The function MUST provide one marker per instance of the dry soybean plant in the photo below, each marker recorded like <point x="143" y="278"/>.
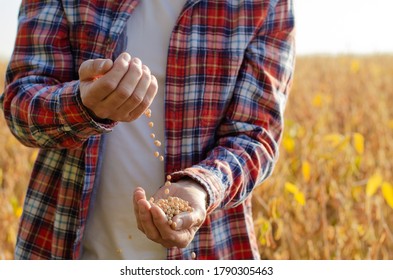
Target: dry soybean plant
<point x="331" y="193"/>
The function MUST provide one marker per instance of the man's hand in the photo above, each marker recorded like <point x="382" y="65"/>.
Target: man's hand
<point x="154" y="224"/>
<point x="120" y="91"/>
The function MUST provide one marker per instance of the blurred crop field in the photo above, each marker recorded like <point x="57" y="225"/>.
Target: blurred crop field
<point x="331" y="193"/>
<point x="16" y="162"/>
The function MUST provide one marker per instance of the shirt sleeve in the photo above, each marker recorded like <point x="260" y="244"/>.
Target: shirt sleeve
<point x="41" y="102"/>
<point x="249" y="137"/>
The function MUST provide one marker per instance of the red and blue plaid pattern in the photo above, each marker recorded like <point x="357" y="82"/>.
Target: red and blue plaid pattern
<point x="230" y="66"/>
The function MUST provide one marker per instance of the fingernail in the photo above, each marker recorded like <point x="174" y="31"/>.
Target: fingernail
<point x="101" y="66"/>
<point x="136" y="60"/>
<point x="126" y="57"/>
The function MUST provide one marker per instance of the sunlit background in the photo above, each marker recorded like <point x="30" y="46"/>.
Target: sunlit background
<point x="331" y="193"/>
<point x="323" y="26"/>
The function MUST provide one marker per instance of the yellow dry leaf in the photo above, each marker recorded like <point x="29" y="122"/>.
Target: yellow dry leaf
<point x="289" y="144"/>
<point x="358" y="143"/>
<point x="317" y="101"/>
<point x="299" y="197"/>
<point x="18" y="212"/>
<point x="306" y="170"/>
<point x="334" y="138"/>
<point x="262" y="240"/>
<point x="292" y="188"/>
<point x="14" y="202"/>
<point x="1" y="176"/>
<point x="344" y="143"/>
<point x="321" y="99"/>
<point x="357" y="161"/>
<point x="373" y="184"/>
<point x="297" y="194"/>
<point x="387" y="192"/>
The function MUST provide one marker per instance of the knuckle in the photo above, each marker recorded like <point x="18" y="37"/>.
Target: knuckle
<point x="136" y="61"/>
<point x="108" y="85"/>
<point x="145" y="80"/>
<point x="154" y="82"/>
<point x="85" y="65"/>
<point x="139" y="111"/>
<point x="136" y="70"/>
<point x="122" y="93"/>
<point x="153" y="87"/>
<point x="147" y="101"/>
<point x="146" y="75"/>
<point x="137" y="98"/>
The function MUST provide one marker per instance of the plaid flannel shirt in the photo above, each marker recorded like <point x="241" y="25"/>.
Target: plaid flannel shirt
<point x="229" y="69"/>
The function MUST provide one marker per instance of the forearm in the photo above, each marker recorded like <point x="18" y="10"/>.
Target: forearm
<point x="48" y="116"/>
<point x="248" y="137"/>
<point x="232" y="170"/>
<point x="41" y="101"/>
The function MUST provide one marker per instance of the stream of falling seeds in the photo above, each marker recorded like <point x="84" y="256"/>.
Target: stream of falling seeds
<point x="171" y="205"/>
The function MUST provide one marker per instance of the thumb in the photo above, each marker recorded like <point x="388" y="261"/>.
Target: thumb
<point x="93" y="68"/>
<point x="187" y="220"/>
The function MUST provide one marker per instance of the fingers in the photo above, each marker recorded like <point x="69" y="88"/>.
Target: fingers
<point x="108" y="83"/>
<point x="92" y="68"/>
<point x="139" y="194"/>
<point x="125" y="86"/>
<point x="120" y="91"/>
<point x="153" y="222"/>
<point x="178" y="234"/>
<point x="133" y="97"/>
<point x="187" y="220"/>
<point x="150" y="90"/>
<point x="144" y="217"/>
<point x="149" y="224"/>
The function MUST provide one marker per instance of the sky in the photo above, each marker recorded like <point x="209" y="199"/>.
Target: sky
<point x="323" y="26"/>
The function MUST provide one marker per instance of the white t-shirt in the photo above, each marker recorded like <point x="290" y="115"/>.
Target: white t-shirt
<point x="129" y="160"/>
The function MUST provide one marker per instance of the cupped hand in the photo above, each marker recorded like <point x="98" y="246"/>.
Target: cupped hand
<point x="154" y="224"/>
<point x="120" y="91"/>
